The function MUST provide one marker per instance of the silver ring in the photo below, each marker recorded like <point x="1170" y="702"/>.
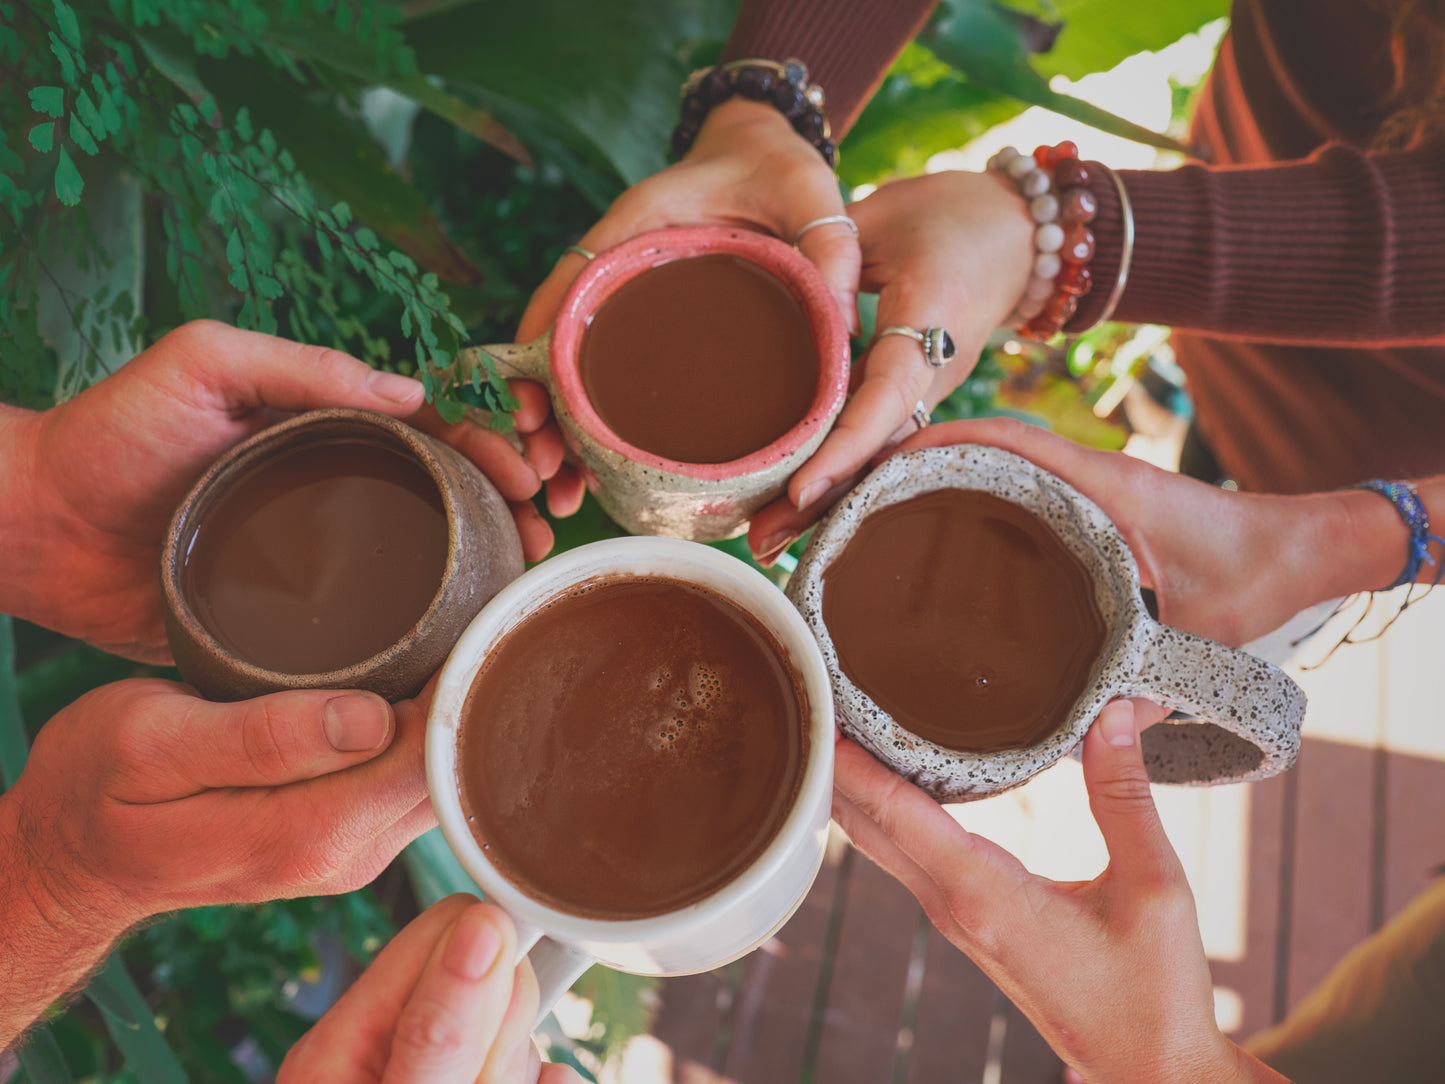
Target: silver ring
<point x="584" y="253"/>
<point x="826" y="220"/>
<point x="937" y="343"/>
<point x="921" y="417"/>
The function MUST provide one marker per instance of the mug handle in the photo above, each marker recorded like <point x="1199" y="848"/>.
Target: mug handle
<point x="1248" y="711"/>
<point x="529" y="361"/>
<point x="557" y="965"/>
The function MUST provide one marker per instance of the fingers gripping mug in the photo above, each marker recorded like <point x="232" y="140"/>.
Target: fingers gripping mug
<point x="636" y="788"/>
<point x="692" y="371"/>
<point x="866" y="570"/>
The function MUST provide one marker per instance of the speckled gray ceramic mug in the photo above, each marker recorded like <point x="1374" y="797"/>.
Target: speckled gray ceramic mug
<point x="1248" y="712"/>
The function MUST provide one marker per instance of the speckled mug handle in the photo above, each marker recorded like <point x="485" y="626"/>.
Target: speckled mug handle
<point x="527" y="361"/>
<point x="1248" y="712"/>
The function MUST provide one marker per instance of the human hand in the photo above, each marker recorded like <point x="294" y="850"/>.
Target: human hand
<point x="1111" y="971"/>
<point x="103" y="472"/>
<point x="951" y="250"/>
<point x="747" y="168"/>
<point x="440" y="1004"/>
<point x="141" y="798"/>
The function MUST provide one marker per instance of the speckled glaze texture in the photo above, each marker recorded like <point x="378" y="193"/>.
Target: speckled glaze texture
<point x="646" y="493"/>
<point x="484" y="554"/>
<point x="1249" y="711"/>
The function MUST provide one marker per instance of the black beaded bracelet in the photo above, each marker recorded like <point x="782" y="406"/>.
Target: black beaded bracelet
<point x="783" y="85"/>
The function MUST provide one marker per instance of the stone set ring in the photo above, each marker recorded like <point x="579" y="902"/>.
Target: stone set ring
<point x="937" y="343"/>
<point x="826" y="220"/>
<point x="586" y="254"/>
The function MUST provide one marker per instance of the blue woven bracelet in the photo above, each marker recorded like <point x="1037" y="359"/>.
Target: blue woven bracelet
<point x="1406" y="499"/>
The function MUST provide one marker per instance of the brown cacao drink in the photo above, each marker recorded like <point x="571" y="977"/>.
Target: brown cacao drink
<point x="631" y="747"/>
<point x="965" y="618"/>
<point x="700" y="360"/>
<point x="319" y="558"/>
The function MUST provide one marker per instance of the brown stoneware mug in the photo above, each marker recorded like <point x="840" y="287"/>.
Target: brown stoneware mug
<point x="471" y="552"/>
<point x="648" y="493"/>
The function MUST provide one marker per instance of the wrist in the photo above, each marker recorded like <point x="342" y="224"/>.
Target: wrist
<point x="23" y="523"/>
<point x="44" y="886"/>
<point x="1370" y="543"/>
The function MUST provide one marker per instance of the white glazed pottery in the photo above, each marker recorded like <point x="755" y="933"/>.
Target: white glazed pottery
<point x="736" y="918"/>
<point x="1248" y="712"/>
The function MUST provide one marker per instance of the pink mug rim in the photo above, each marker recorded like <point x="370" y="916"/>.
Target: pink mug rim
<point x="619" y="264"/>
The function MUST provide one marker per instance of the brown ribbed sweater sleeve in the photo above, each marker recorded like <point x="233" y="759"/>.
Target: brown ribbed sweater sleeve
<point x="1343" y="247"/>
<point x="847" y="44"/>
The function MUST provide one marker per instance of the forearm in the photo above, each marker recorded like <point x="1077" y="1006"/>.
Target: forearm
<point x="848" y="45"/>
<point x="1342" y="248"/>
<point x="48" y="945"/>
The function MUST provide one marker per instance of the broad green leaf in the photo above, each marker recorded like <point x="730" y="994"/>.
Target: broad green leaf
<point x="42" y="1060"/>
<point x="318" y="42"/>
<point x="42" y="137"/>
<point x="905" y="123"/>
<point x="434" y="870"/>
<point x="48" y="100"/>
<point x="610" y="71"/>
<point x="134" y="1030"/>
<point x="68" y="185"/>
<point x="1098" y="34"/>
<point x="174" y="58"/>
<point x="985" y="42"/>
<point x="342" y="162"/>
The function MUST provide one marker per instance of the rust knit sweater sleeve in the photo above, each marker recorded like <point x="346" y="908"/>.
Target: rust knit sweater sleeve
<point x="1343" y="247"/>
<point x="847" y="44"/>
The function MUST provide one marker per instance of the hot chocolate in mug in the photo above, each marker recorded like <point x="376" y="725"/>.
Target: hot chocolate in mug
<point x="561" y="782"/>
<point x="693" y="370"/>
<point x="1045" y="611"/>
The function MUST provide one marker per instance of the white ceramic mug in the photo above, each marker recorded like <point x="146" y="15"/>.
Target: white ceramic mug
<point x="736" y="918"/>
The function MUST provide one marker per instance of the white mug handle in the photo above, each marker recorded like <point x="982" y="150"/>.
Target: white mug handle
<point x="557" y="965"/>
<point x="1248" y="711"/>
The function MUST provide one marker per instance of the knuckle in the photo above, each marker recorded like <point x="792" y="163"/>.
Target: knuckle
<point x="266" y="740"/>
<point x="426" y="1031"/>
<point x="1130" y="792"/>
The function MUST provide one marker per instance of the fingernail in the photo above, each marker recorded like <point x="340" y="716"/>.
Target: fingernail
<point x="773" y="546"/>
<point x="393" y="386"/>
<point x="355" y="723"/>
<point x="1116" y="724"/>
<point x="473" y="946"/>
<point x="813" y="491"/>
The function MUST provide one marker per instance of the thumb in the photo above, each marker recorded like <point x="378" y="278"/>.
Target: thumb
<point x="1122" y="804"/>
<point x="246" y="370"/>
<point x="187" y="744"/>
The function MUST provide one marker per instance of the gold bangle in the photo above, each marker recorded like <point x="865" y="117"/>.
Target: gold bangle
<point x="1126" y="252"/>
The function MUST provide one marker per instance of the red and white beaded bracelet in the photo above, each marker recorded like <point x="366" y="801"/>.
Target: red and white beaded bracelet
<point x="1056" y="185"/>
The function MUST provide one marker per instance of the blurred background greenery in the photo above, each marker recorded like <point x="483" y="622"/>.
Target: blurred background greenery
<point x="395" y="179"/>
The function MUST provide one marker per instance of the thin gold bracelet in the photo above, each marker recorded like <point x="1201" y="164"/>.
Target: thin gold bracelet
<point x="1126" y="254"/>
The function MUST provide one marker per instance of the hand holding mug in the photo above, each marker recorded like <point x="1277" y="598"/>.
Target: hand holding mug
<point x="141" y="798"/>
<point x="441" y="1004"/>
<point x="748" y="169"/>
<point x="945" y="250"/>
<point x="1229" y="566"/>
<point x="1112" y="971"/>
<point x="98" y="476"/>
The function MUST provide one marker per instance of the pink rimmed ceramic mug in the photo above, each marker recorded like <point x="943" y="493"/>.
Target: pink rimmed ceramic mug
<point x="647" y="493"/>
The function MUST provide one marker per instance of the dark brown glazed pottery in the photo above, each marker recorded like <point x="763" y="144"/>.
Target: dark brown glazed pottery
<point x="484" y="554"/>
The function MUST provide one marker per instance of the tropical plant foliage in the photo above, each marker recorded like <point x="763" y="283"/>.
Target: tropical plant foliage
<point x="392" y="179"/>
